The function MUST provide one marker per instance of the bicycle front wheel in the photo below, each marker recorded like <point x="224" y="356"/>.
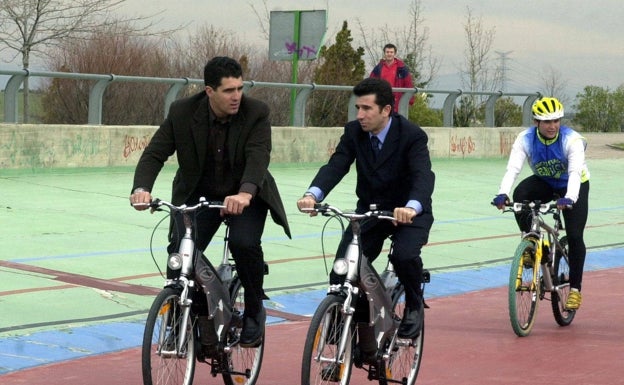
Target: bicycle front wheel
<point x="165" y="359"/>
<point x="404" y="360"/>
<point x="322" y="362"/>
<point x="524" y="287"/>
<point x="561" y="281"/>
<point x="243" y="363"/>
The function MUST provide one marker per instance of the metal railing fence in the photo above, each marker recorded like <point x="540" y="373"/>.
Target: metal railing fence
<point x="303" y="91"/>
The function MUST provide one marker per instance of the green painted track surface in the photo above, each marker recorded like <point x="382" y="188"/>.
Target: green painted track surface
<point x="63" y="223"/>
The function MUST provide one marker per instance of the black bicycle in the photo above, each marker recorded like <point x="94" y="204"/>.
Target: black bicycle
<point x="331" y="343"/>
<point x="171" y="340"/>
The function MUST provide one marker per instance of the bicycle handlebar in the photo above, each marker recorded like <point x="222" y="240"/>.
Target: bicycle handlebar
<point x="156" y="203"/>
<point x="544" y="208"/>
<point x="327" y="209"/>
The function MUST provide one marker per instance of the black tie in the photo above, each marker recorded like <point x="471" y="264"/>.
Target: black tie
<point x="375" y="143"/>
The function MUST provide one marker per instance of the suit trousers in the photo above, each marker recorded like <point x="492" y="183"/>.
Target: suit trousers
<point x="244" y="243"/>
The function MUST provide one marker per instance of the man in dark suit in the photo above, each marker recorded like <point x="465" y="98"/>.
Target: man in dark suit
<point x="222" y="140"/>
<point x="393" y="172"/>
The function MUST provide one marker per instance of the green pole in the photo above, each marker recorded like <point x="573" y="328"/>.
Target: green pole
<point x="295" y="65"/>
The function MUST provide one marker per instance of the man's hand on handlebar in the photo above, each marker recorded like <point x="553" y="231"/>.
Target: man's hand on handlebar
<point x="404" y="215"/>
<point x="140" y="199"/>
<point x="306" y="204"/>
<point x="235" y="204"/>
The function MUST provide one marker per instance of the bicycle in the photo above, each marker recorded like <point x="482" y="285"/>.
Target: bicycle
<point x="540" y="267"/>
<point x="171" y="340"/>
<point x="330" y="349"/>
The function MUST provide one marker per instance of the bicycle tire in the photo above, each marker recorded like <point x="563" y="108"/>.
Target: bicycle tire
<point x="319" y="364"/>
<point x="524" y="290"/>
<point x="243" y="364"/>
<point x="404" y="361"/>
<point x="161" y="328"/>
<point x="561" y="280"/>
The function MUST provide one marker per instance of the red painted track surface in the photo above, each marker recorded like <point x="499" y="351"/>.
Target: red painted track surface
<point x="468" y="340"/>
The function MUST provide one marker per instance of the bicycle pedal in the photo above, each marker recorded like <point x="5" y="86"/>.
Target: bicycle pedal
<point x="373" y="373"/>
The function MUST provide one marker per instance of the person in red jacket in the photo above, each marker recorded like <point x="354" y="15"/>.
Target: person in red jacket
<point x="395" y="72"/>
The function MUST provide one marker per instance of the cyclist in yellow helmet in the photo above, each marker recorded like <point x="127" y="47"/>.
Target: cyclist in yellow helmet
<point x="556" y="154"/>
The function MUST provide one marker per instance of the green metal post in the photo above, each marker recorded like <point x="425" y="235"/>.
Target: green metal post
<point x="295" y="65"/>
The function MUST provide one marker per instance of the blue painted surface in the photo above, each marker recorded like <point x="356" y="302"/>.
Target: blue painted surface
<point x="46" y="347"/>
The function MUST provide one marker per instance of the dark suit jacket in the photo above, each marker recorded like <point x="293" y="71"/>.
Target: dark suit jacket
<point x="402" y="171"/>
<point x="184" y="132"/>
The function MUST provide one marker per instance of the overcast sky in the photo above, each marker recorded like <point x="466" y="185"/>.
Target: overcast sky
<point x="583" y="40"/>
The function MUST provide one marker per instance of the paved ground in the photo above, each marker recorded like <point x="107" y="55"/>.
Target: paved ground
<point x="601" y="145"/>
<point x="77" y="278"/>
<point x="468" y="341"/>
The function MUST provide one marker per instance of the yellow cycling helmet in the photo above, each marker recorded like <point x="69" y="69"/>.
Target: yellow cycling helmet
<point x="547" y="109"/>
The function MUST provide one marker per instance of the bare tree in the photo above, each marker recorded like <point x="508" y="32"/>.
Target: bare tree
<point x="108" y="50"/>
<point x="477" y="75"/>
<point x="412" y="42"/>
<point x="264" y="18"/>
<point x="32" y="26"/>
<point x="208" y="41"/>
<point x="553" y="84"/>
<point x="205" y="43"/>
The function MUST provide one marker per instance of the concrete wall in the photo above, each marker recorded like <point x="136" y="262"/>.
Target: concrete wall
<point x="47" y="146"/>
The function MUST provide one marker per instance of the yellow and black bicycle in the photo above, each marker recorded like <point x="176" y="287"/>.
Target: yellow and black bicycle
<point x="540" y="268"/>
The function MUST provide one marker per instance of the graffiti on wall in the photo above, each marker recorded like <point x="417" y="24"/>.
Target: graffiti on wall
<point x="79" y="145"/>
<point x="135" y="143"/>
<point x="464" y="145"/>
<point x="506" y="140"/>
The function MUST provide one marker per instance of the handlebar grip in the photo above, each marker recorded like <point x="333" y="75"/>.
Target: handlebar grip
<point x="320" y="206"/>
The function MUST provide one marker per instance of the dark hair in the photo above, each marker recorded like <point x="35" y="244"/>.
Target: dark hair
<point x="379" y="87"/>
<point x="390" y="45"/>
<point x="221" y="67"/>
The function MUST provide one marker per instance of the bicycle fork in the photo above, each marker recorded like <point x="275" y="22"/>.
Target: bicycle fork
<point x="179" y="331"/>
<point x="345" y="334"/>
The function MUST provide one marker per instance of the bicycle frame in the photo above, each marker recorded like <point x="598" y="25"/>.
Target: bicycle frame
<point x="361" y="275"/>
<point x="533" y="273"/>
<point x="542" y="234"/>
<point x="199" y="302"/>
<point x="330" y="351"/>
<point x="212" y="281"/>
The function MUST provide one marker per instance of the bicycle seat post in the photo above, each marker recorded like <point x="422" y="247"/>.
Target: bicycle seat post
<point x="225" y="269"/>
<point x="389" y="277"/>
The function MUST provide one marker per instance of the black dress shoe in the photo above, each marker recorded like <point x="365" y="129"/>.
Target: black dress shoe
<point x="210" y="351"/>
<point x="411" y="324"/>
<point x="361" y="357"/>
<point x="253" y="329"/>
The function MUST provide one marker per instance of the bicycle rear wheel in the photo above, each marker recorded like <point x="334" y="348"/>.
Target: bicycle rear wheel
<point x="561" y="281"/>
<point x="524" y="288"/>
<point x="164" y="360"/>
<point x="320" y="364"/>
<point x="404" y="361"/>
<point x="243" y="363"/>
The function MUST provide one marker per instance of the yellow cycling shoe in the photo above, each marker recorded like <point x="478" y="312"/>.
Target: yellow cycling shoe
<point x="574" y="300"/>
